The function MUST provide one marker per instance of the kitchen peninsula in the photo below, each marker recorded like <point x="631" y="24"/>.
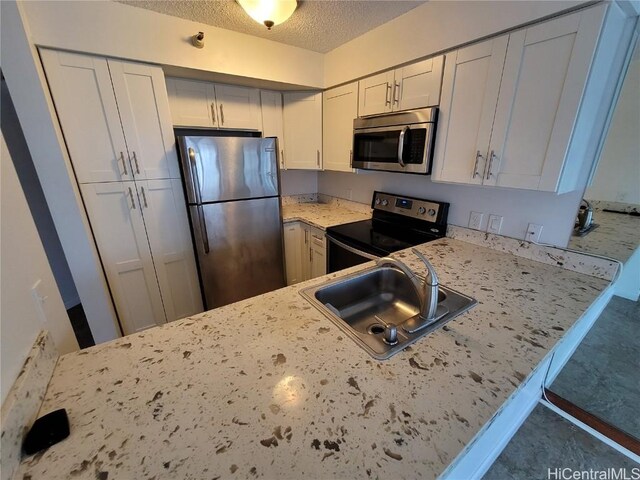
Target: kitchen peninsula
<point x="269" y="387"/>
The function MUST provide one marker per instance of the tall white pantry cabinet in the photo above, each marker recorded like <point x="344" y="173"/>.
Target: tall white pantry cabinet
<point x="117" y="127"/>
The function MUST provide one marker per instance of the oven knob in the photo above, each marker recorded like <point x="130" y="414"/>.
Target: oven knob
<point x="431" y="212"/>
<point x="421" y="210"/>
<point x="377" y="201"/>
<point x="384" y="203"/>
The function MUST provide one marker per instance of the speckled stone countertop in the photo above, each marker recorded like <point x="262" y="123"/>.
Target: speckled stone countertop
<point x="323" y="215"/>
<point x="269" y="387"/>
<point x="617" y="236"/>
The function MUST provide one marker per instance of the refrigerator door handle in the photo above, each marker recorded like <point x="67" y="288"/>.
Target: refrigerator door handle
<point x="203" y="229"/>
<point x="194" y="175"/>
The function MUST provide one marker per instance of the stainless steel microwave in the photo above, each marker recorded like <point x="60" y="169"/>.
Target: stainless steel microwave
<point x="395" y="142"/>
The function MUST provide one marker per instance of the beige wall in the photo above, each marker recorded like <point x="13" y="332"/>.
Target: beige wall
<point x="24" y="263"/>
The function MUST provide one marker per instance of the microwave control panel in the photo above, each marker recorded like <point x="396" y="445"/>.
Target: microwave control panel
<point x="427" y="210"/>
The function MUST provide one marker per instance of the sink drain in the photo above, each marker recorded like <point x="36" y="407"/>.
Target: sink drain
<point x="376" y="329"/>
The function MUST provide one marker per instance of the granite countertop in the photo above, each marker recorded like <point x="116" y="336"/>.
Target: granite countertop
<point x="269" y="387"/>
<point x="324" y="215"/>
<point x="617" y="236"/>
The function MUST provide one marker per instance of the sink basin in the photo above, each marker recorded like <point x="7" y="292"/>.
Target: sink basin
<point x="362" y="304"/>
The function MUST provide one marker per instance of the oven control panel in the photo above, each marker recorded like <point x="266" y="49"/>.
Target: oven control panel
<point x="427" y="210"/>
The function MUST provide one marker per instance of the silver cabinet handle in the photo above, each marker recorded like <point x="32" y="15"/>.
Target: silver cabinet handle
<point x="144" y="197"/>
<point x="318" y="158"/>
<point x="281" y="158"/>
<point x="396" y="92"/>
<point x="213" y="113"/>
<point x="124" y="163"/>
<point x="388" y="96"/>
<point x="306" y="236"/>
<point x="475" y="166"/>
<point x="401" y="145"/>
<point x="311" y="254"/>
<point x="133" y="203"/>
<point x="492" y="156"/>
<point x="221" y="114"/>
<point x="135" y="160"/>
<point x="203" y="229"/>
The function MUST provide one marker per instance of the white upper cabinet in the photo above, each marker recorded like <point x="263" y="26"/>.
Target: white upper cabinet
<point x="203" y="104"/>
<point x="376" y="94"/>
<point x="165" y="218"/>
<point x="340" y="108"/>
<point x="509" y="108"/>
<point x="238" y="107"/>
<point x="192" y="103"/>
<point x="414" y="86"/>
<point x="83" y="96"/>
<point x="303" y="130"/>
<point x="144" y="111"/>
<point x="272" y="121"/>
<point x="114" y="116"/>
<point x="116" y="219"/>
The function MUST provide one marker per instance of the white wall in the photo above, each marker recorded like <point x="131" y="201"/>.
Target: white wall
<point x="430" y="28"/>
<point x="518" y="207"/>
<point x="27" y="86"/>
<point x="24" y="263"/>
<point x="297" y="182"/>
<point x="114" y="29"/>
<point x="617" y="178"/>
<point x="35" y="198"/>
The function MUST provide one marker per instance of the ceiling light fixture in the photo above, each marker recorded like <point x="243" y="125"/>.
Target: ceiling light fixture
<point x="269" y="12"/>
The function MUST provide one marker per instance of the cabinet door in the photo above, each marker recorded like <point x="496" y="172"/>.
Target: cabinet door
<point x="340" y="108"/>
<point x="116" y="220"/>
<point x="469" y="96"/>
<point x="318" y="254"/>
<point x="238" y="107"/>
<point x="375" y="94"/>
<point x="144" y="111"/>
<point x="419" y="84"/>
<point x="545" y="74"/>
<point x="272" y="122"/>
<point x="293" y="242"/>
<point x="303" y="130"/>
<point x="192" y="103"/>
<point x="87" y="109"/>
<point x="165" y="219"/>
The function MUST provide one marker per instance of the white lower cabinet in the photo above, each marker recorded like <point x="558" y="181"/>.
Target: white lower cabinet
<point x="145" y="249"/>
<point x="305" y="252"/>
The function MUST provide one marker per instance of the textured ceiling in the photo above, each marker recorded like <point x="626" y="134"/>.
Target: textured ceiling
<point x="318" y="25"/>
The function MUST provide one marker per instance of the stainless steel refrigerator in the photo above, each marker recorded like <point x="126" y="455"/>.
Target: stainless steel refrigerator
<point x="233" y="195"/>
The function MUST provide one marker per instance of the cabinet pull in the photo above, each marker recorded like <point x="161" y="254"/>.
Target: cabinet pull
<point x="306" y="236"/>
<point x="124" y="163"/>
<point x="491" y="157"/>
<point x="213" y="113"/>
<point x="475" y="166"/>
<point x="396" y="92"/>
<point x="221" y="114"/>
<point x="135" y="160"/>
<point x="388" y="96"/>
<point x="318" y="158"/>
<point x="311" y="254"/>
<point x="144" y="197"/>
<point x="281" y="158"/>
<point x="133" y="203"/>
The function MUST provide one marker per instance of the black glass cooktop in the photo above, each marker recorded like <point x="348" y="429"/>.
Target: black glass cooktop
<point x="380" y="237"/>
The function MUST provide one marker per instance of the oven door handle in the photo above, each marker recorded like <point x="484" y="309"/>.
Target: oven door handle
<point x="351" y="249"/>
<point x="401" y="145"/>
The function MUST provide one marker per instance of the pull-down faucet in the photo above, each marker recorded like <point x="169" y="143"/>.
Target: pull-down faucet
<point x="426" y="289"/>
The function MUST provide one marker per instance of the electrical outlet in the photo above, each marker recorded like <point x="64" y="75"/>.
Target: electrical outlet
<point x="495" y="224"/>
<point x="475" y="220"/>
<point x="533" y="233"/>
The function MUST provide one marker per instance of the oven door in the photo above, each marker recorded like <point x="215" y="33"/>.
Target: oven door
<point x="341" y="255"/>
<point x="398" y="148"/>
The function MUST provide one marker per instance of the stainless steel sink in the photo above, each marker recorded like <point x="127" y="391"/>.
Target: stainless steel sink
<point x="364" y="303"/>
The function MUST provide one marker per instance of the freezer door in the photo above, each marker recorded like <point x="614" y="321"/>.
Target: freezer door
<point x="229" y="168"/>
<point x="239" y="247"/>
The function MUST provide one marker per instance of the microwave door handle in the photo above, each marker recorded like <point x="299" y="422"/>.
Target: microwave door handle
<point x="351" y="249"/>
<point x="401" y="145"/>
